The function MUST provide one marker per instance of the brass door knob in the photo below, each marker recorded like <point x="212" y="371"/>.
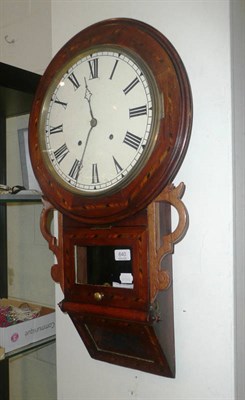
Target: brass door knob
<point x="98" y="296"/>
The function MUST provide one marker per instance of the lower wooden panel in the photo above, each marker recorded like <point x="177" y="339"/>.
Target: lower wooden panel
<point x="127" y="343"/>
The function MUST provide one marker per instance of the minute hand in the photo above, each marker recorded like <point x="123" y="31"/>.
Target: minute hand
<point x="93" y="123"/>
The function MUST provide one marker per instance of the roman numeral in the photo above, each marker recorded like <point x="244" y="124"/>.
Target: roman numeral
<point x="114" y="68"/>
<point x="75" y="169"/>
<point x="132" y="140"/>
<point x="131" y="86"/>
<point x="93" y="67"/>
<point x="117" y="165"/>
<point x="95" y="175"/>
<point x="57" y="101"/>
<point x="74" y="81"/>
<point x="56" y="129"/>
<point x="137" y="111"/>
<point x="61" y="152"/>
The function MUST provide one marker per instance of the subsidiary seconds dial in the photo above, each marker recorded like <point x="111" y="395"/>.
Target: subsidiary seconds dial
<point x="100" y="121"/>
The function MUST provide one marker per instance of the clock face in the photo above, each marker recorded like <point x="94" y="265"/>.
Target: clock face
<point x="99" y="121"/>
<point x="110" y="122"/>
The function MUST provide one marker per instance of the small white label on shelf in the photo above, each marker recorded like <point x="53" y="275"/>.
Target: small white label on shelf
<point x="122" y="254"/>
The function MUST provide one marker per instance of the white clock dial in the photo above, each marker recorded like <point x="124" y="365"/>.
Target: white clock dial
<point x="99" y="121"/>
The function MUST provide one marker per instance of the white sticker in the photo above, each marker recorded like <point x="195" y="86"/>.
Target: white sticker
<point x="126" y="277"/>
<point x="122" y="255"/>
<point x="123" y="285"/>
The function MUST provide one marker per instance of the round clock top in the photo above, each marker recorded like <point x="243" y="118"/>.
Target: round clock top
<point x="110" y="122"/>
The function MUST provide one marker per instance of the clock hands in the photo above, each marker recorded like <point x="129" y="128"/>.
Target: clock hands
<point x="87" y="96"/>
<point x="93" y="123"/>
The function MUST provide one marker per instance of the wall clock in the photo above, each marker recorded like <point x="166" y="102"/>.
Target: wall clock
<point x="109" y="129"/>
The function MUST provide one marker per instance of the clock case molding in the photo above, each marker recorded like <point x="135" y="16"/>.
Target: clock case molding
<point x="129" y="327"/>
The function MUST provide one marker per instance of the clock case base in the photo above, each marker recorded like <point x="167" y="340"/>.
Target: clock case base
<point x="132" y="344"/>
<point x="133" y="328"/>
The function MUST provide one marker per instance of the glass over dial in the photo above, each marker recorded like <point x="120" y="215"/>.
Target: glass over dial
<point x="99" y="121"/>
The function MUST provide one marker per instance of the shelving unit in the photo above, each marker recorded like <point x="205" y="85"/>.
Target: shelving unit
<point x="17" y="88"/>
<point x="16" y="198"/>
<point x="31" y="347"/>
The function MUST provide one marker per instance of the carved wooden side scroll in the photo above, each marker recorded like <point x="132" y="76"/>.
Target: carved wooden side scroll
<point x="55" y="244"/>
<point x="159" y="247"/>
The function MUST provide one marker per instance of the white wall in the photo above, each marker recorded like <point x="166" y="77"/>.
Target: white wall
<point x="203" y="261"/>
<point x="25" y="33"/>
<point x="238" y="106"/>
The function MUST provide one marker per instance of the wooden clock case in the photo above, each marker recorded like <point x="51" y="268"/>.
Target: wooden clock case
<point x="128" y="327"/>
<point x="131" y="327"/>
